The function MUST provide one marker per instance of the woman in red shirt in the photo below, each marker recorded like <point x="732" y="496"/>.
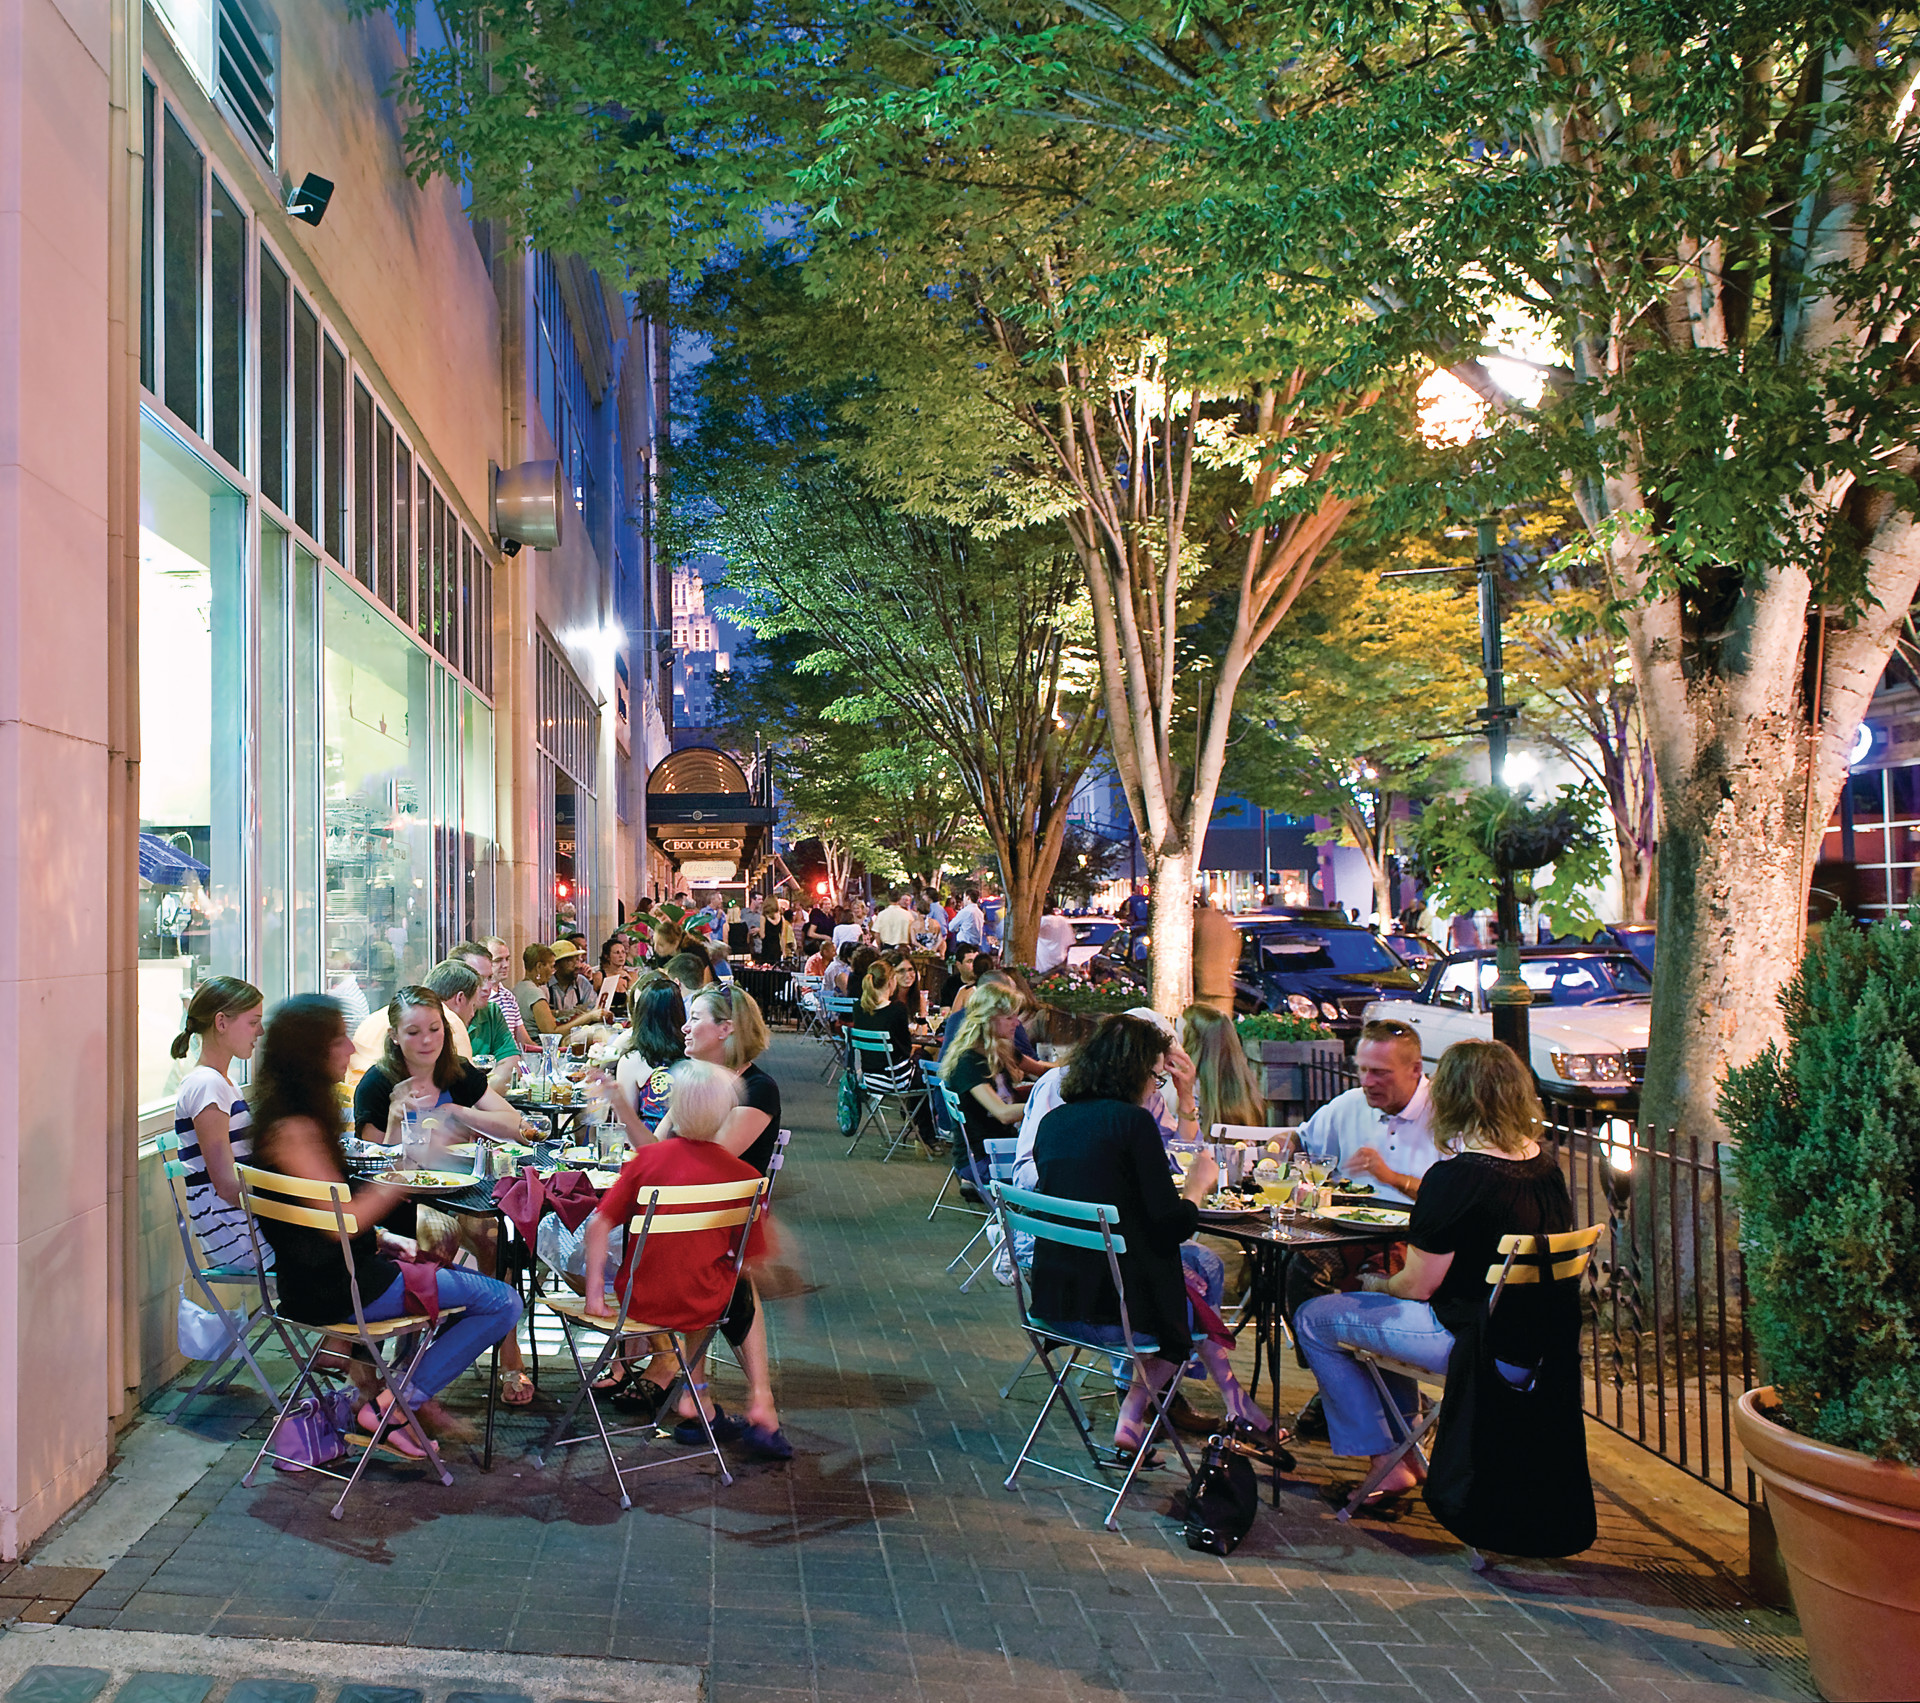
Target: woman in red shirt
<point x="683" y="1282"/>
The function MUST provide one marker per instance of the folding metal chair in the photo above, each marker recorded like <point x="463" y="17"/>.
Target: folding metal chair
<point x="257" y="1326"/>
<point x="1565" y="1253"/>
<point x="269" y="1194"/>
<point x="1000" y="1168"/>
<point x="707" y="1206"/>
<point x="839" y="1008"/>
<point x="1080" y="1224"/>
<point x="947" y="1102"/>
<point x="884" y="1085"/>
<point x="779" y="1159"/>
<point x="807" y="996"/>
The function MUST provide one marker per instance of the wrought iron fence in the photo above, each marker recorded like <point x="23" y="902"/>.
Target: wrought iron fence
<point x="1665" y="1348"/>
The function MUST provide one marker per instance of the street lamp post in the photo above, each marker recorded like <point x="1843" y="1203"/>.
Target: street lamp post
<point x="1509" y="996"/>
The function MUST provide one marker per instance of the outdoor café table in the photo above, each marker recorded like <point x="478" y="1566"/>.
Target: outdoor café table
<point x="1272" y="1247"/>
<point x="566" y="1114"/>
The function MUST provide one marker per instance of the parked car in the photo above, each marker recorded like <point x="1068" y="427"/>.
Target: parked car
<point x="1090" y="937"/>
<point x="1416" y="951"/>
<point x="1587" y="1024"/>
<point x="1316" y="966"/>
<point x="1636" y="937"/>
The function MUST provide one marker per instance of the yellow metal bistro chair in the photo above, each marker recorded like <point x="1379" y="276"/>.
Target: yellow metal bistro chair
<point x="709" y="1206"/>
<point x="1569" y="1252"/>
<point x="270" y="1194"/>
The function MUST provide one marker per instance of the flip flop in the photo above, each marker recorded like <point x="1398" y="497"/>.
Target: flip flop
<point x="516" y="1389"/>
<point x="765" y="1445"/>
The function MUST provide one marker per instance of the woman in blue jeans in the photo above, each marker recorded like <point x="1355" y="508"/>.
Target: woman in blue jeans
<point x="1498" y="1179"/>
<point x="303" y="1056"/>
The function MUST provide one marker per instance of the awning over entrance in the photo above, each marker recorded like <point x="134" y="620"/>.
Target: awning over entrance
<point x="706" y="818"/>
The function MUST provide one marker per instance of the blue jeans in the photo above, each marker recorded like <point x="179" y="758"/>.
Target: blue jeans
<point x="1407" y="1330"/>
<point x="492" y="1310"/>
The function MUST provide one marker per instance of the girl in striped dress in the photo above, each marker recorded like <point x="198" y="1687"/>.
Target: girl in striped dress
<point x="210" y="1115"/>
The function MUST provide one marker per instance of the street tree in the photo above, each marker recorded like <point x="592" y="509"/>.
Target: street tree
<point x="1361" y="705"/>
<point x="871" y="791"/>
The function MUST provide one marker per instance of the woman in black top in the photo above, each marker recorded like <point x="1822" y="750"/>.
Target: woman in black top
<point x="304" y="1054"/>
<point x="1101" y="1144"/>
<point x="977" y="1067"/>
<point x="881" y="1010"/>
<point x="1499" y="1180"/>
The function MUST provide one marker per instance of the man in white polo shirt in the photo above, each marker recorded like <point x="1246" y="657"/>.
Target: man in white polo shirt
<point x="1382" y="1133"/>
<point x="893" y="927"/>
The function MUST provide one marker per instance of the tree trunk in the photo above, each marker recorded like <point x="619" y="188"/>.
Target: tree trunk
<point x="1732" y="902"/>
<point x="1170" y="923"/>
<point x="1636" y="877"/>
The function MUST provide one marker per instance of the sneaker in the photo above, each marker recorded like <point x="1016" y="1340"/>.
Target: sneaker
<point x="1311" y="1425"/>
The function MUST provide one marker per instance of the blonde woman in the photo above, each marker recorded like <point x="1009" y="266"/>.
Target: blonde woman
<point x="979" y="1067"/>
<point x="1497" y="1179"/>
<point x="1222" y="1079"/>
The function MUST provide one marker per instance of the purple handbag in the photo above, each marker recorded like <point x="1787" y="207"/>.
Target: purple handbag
<point x="313" y="1431"/>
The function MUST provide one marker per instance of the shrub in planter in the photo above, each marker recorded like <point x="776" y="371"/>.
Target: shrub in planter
<point x="1828" y="1169"/>
<point x="1827" y="1166"/>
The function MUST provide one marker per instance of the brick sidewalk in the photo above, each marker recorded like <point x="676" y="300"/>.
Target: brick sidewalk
<point x="888" y="1562"/>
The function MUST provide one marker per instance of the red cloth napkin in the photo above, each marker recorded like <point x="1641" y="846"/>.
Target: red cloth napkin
<point x="573" y="1197"/>
<point x="522" y="1198"/>
<point x="421" y="1274"/>
<point x="569" y="1194"/>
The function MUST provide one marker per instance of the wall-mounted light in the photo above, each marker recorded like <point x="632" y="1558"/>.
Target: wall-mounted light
<point x="526" y="506"/>
<point x="308" y="201"/>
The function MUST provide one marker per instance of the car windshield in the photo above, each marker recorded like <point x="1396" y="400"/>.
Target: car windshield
<point x="1344" y="951"/>
<point x="1577" y="980"/>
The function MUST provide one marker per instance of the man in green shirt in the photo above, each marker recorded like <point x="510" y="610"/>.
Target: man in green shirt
<point x="487" y="1027"/>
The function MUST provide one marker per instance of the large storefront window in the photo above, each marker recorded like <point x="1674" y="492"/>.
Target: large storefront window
<point x="477" y="746"/>
<point x="193" y="651"/>
<point x="379" y="860"/>
<point x="289" y="766"/>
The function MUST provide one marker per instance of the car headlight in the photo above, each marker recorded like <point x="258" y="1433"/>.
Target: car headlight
<point x="1301" y="1006"/>
<point x="1589" y="1067"/>
<point x="1329" y="1010"/>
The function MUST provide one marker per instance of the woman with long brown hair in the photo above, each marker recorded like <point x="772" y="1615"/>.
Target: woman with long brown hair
<point x="1498" y="1178"/>
<point x="303" y="1057"/>
<point x="1223" y="1081"/>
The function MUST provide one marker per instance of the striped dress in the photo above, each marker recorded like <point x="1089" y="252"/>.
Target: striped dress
<point x="220" y="1229"/>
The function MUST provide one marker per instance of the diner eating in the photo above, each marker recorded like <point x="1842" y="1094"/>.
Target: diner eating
<point x="1493" y="1177"/>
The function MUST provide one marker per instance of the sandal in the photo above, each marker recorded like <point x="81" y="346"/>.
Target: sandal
<point x="726" y="1429"/>
<point x="616" y="1379"/>
<point x="399" y="1437"/>
<point x="516" y="1389"/>
<point x="642" y="1396"/>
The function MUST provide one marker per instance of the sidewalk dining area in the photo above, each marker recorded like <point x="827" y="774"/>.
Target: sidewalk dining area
<point x="887" y="1560"/>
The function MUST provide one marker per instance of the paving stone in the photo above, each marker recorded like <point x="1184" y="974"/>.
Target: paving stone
<point x="164" y="1688"/>
<point x="272" y="1691"/>
<point x="375" y="1694"/>
<point x="58" y="1685"/>
<point x="488" y="1697"/>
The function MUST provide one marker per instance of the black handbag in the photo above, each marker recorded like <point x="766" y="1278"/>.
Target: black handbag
<point x="1222" y="1498"/>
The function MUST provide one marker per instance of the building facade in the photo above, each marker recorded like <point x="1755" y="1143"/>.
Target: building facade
<point x="278" y="702"/>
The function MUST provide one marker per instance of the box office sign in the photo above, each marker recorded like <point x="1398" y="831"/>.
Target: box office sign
<point x="712" y="846"/>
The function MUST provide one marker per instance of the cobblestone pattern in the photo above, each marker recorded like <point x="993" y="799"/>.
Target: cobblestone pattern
<point x="887" y="1561"/>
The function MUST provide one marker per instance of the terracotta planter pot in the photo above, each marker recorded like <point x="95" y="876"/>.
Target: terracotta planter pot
<point x="1849" y="1529"/>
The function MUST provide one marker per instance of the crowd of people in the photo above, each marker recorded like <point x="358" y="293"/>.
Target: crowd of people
<point x="1097" y="1109"/>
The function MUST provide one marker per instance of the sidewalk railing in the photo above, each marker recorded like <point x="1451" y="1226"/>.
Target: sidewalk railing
<point x="1664" y="1345"/>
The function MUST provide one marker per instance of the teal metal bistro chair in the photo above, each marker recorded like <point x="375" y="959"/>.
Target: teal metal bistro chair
<point x="884" y="1086"/>
<point x="256" y="1325"/>
<point x="951" y="1120"/>
<point x="1000" y="1156"/>
<point x="1088" y="1225"/>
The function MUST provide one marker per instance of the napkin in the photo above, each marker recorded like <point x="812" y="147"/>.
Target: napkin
<point x="524" y="1197"/>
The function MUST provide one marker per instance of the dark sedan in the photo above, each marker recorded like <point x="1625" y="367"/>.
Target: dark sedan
<point x="1324" y="971"/>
